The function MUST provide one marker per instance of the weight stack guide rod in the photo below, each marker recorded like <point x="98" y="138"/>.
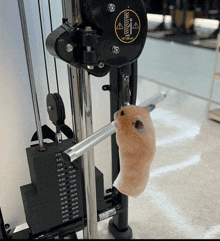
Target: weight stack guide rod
<point x="30" y="72"/>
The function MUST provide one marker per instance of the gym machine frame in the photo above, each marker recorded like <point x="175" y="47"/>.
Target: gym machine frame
<point x="176" y="30"/>
<point x="181" y="30"/>
<point x="213" y="35"/>
<point x="83" y="58"/>
<point x="161" y="26"/>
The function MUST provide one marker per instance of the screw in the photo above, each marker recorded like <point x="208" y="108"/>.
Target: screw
<point x="111" y="7"/>
<point x="69" y="48"/>
<point x="49" y="108"/>
<point x="101" y="65"/>
<point x="115" y="50"/>
<point x="90" y="67"/>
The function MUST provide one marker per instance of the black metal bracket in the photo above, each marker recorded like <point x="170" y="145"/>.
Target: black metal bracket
<point x="109" y="88"/>
<point x="107" y="38"/>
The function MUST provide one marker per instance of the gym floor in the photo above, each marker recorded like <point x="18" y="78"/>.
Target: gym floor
<point x="182" y="197"/>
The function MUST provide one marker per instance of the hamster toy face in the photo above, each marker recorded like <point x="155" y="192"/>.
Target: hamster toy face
<point x="136" y="140"/>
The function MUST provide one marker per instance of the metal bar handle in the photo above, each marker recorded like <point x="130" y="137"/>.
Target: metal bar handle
<point x="77" y="150"/>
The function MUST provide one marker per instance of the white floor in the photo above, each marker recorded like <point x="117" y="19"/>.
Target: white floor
<point x="182" y="198"/>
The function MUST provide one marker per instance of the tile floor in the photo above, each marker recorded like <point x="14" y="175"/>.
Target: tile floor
<point x="182" y="199"/>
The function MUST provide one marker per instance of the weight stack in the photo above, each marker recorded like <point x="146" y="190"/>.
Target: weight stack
<point x="56" y="195"/>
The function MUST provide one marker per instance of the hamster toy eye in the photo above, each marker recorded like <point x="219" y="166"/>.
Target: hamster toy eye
<point x="122" y="113"/>
<point x="138" y="125"/>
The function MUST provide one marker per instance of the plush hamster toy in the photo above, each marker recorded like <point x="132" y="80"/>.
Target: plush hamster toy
<point x="136" y="140"/>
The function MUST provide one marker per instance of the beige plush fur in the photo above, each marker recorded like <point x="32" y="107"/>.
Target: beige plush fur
<point x="136" y="140"/>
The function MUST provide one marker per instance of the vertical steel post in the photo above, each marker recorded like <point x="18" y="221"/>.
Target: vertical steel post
<point x="185" y="9"/>
<point x="3" y="234"/>
<point x="79" y="81"/>
<point x="30" y="72"/>
<point x="64" y="10"/>
<point x="206" y="9"/>
<point x="120" y="221"/>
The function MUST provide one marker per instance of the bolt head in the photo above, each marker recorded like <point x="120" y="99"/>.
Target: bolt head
<point x="49" y="108"/>
<point x="69" y="48"/>
<point x="90" y="67"/>
<point x="101" y="65"/>
<point x="111" y="7"/>
<point x="115" y="50"/>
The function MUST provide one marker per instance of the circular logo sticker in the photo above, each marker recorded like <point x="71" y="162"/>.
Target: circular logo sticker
<point x="127" y="26"/>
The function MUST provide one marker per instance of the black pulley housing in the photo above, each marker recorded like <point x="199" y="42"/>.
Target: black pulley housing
<point x="55" y="109"/>
<point x="110" y="35"/>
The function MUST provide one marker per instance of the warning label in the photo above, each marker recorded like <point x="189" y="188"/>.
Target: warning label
<point x="120" y="26"/>
<point x="127" y="26"/>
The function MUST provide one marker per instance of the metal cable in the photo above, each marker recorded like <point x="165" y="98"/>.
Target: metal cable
<point x="42" y="35"/>
<point x="55" y="63"/>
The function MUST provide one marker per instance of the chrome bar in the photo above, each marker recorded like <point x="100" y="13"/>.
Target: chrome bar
<point x="73" y="11"/>
<point x="91" y="230"/>
<point x="30" y="72"/>
<point x="154" y="100"/>
<point x="81" y="105"/>
<point x="76" y="151"/>
<point x="107" y="214"/>
<point x="71" y="91"/>
<point x="63" y="2"/>
<point x="83" y="125"/>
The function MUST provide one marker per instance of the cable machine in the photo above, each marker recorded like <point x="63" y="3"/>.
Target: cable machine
<point x="182" y="28"/>
<point x="66" y="193"/>
<point x="210" y="13"/>
<point x="165" y="8"/>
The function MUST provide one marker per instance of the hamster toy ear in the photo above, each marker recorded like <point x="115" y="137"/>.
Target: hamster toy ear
<point x="138" y="125"/>
<point x="150" y="107"/>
